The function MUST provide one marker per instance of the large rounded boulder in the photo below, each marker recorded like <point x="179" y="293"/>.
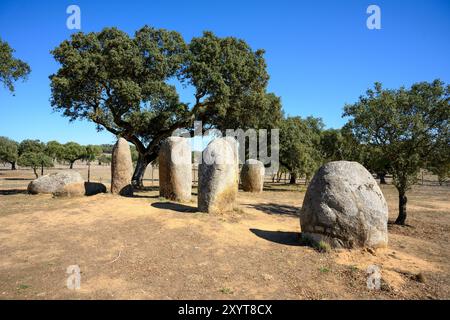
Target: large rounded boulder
<point x="252" y="176"/>
<point x="63" y="183"/>
<point x="344" y="207"/>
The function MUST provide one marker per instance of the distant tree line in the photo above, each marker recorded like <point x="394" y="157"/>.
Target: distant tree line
<point x="39" y="155"/>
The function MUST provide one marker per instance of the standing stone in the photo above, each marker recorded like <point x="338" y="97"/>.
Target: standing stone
<point x="344" y="207"/>
<point x="218" y="177"/>
<point x="252" y="176"/>
<point x="121" y="169"/>
<point x="175" y="169"/>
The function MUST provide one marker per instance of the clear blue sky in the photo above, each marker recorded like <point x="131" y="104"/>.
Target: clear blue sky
<point x="320" y="54"/>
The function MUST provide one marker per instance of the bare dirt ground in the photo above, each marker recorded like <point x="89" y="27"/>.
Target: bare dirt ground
<point x="148" y="248"/>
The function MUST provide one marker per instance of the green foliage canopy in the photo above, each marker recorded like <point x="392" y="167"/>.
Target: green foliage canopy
<point x="300" y="145"/>
<point x="92" y="152"/>
<point x="54" y="149"/>
<point x="9" y="151"/>
<point x="439" y="162"/>
<point x="406" y="125"/>
<point x="126" y="84"/>
<point x="31" y="146"/>
<point x="11" y="69"/>
<point x="72" y="152"/>
<point x="35" y="160"/>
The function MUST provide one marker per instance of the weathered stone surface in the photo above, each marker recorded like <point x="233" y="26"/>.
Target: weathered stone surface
<point x="121" y="169"/>
<point x="252" y="176"/>
<point x="175" y="169"/>
<point x="218" y="177"/>
<point x="63" y="183"/>
<point x="234" y="145"/>
<point x="344" y="207"/>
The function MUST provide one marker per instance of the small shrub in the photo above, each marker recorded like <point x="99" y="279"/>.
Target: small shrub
<point x="238" y="210"/>
<point x="322" y="246"/>
<point x="419" y="277"/>
<point x="23" y="286"/>
<point x="354" y="268"/>
<point x="324" y="270"/>
<point x="226" y="291"/>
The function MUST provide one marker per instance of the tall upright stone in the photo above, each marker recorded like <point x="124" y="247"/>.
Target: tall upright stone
<point x="121" y="169"/>
<point x="252" y="176"/>
<point x="175" y="169"/>
<point x="218" y="177"/>
<point x="344" y="207"/>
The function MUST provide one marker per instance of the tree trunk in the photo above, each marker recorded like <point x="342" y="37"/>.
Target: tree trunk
<point x="42" y="169"/>
<point x="139" y="172"/>
<point x="293" y="178"/>
<point x="152" y="175"/>
<point x="13" y="165"/>
<point x="89" y="171"/>
<point x="402" y="200"/>
<point x="441" y="179"/>
<point x="382" y="177"/>
<point x="35" y="172"/>
<point x="71" y="165"/>
<point x="279" y="174"/>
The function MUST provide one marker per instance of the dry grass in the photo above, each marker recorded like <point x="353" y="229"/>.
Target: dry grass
<point x="147" y="248"/>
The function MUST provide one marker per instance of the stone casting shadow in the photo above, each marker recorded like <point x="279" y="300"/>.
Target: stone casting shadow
<point x="275" y="208"/>
<point x="281" y="237"/>
<point x="174" y="207"/>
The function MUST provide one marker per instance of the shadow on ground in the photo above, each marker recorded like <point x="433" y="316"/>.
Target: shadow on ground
<point x="174" y="207"/>
<point x="281" y="237"/>
<point x="393" y="225"/>
<point x="275" y="208"/>
<point x="93" y="188"/>
<point x="9" y="192"/>
<point x="136" y="194"/>
<point x="146" y="188"/>
<point x="141" y="192"/>
<point x="284" y="187"/>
